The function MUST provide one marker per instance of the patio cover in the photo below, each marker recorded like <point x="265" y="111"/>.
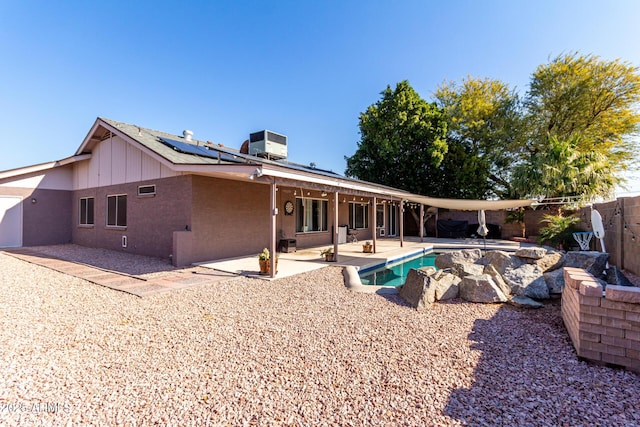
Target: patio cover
<point x="471" y="205"/>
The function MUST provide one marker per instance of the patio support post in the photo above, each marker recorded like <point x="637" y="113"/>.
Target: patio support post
<point x="401" y="223"/>
<point x="335" y="226"/>
<point x="373" y="219"/>
<point x="272" y="243"/>
<point x="421" y="222"/>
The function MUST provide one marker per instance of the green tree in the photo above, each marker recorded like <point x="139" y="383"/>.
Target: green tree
<point x="587" y="98"/>
<point x="484" y="134"/>
<point x="562" y="170"/>
<point x="402" y="141"/>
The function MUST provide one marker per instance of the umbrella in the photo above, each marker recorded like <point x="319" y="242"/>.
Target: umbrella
<point x="482" y="228"/>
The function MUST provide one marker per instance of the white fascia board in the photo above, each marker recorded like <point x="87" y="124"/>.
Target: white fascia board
<point x="87" y="138"/>
<point x="155" y="156"/>
<point x="205" y="169"/>
<point x="336" y="182"/>
<point x="42" y="166"/>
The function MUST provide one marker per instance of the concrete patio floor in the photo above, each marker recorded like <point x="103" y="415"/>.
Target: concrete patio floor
<point x="387" y="249"/>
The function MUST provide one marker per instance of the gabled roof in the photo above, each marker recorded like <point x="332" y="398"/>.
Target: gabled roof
<point x="217" y="159"/>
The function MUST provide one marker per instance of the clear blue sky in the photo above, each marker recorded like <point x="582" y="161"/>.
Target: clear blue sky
<point x="306" y="69"/>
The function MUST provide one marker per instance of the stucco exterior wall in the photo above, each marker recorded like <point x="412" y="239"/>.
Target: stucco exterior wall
<point x="151" y="220"/>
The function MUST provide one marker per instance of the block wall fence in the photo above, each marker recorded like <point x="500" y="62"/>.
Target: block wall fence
<point x="603" y="329"/>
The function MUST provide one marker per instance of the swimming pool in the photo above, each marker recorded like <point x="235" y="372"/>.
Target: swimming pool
<point x="395" y="274"/>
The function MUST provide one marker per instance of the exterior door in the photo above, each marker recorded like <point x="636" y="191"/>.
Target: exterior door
<point x="392" y="221"/>
<point x="10" y="222"/>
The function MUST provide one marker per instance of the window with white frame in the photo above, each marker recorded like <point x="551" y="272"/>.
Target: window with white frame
<point x="358" y="215"/>
<point x="311" y="215"/>
<point x="86" y="210"/>
<point x="117" y="210"/>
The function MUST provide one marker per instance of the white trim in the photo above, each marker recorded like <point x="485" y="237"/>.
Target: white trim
<point x="42" y="166"/>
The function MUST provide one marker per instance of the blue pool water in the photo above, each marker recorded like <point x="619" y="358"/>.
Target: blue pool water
<point x="396" y="274"/>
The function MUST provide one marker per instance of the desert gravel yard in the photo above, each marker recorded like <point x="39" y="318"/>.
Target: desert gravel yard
<point x="301" y="350"/>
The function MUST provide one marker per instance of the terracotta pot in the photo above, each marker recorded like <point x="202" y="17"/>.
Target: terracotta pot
<point x="265" y="266"/>
<point x="367" y="248"/>
<point x="329" y="257"/>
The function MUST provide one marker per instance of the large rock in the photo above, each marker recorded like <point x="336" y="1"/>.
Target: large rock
<point x="531" y="252"/>
<point x="466" y="269"/>
<point x="555" y="281"/>
<point x="481" y="288"/>
<point x="417" y="290"/>
<point x="503" y="261"/>
<point x="497" y="278"/>
<point x="447" y="259"/>
<point x="551" y="261"/>
<point x="525" y="302"/>
<point x="615" y="277"/>
<point x="527" y="280"/>
<point x="592" y="261"/>
<point x="446" y="285"/>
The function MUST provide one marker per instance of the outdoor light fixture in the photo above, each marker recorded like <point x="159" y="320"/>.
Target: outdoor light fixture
<point x="324" y="194"/>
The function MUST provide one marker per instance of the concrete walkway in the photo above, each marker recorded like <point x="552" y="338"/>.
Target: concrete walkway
<point x="139" y="286"/>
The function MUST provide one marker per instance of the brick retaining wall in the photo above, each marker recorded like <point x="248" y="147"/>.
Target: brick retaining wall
<point x="603" y="329"/>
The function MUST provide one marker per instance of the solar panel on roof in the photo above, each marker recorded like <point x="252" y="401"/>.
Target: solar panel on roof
<point x="183" y="147"/>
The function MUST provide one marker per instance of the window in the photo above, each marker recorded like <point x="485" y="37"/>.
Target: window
<point x="358" y="215"/>
<point x="117" y="211"/>
<point x="86" y="210"/>
<point x="311" y="215"/>
<point x="147" y="190"/>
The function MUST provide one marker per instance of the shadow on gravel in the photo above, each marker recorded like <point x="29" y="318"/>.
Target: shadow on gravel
<point x="528" y="374"/>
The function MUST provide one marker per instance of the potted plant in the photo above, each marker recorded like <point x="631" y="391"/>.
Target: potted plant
<point x="367" y="247"/>
<point x="264" y="259"/>
<point x="328" y="254"/>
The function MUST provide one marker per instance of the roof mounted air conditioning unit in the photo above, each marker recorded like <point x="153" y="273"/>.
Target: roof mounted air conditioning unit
<point x="268" y="144"/>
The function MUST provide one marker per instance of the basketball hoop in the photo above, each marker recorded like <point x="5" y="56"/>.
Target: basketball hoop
<point x="583" y="238"/>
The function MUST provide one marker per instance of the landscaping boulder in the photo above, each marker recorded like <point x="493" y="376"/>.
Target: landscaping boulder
<point x="497" y="278"/>
<point x="524" y="302"/>
<point x="531" y="252"/>
<point x="527" y="280"/>
<point x="615" y="277"/>
<point x="551" y="261"/>
<point x="555" y="281"/>
<point x="418" y="290"/>
<point x="481" y="288"/>
<point x="447" y="259"/>
<point x="503" y="261"/>
<point x="446" y="285"/>
<point x="466" y="269"/>
<point x="592" y="261"/>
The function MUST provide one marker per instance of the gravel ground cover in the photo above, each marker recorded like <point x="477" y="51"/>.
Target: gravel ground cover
<point x="300" y="351"/>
